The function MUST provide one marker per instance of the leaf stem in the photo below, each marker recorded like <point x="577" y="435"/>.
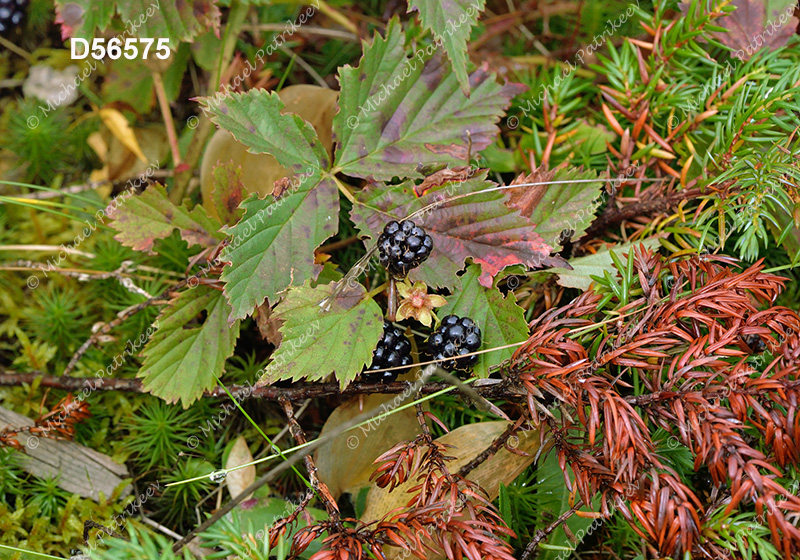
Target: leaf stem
<point x="391" y="308"/>
<point x="343" y="189"/>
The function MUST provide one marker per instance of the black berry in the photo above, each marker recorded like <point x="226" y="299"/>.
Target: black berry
<point x="403" y="246"/>
<point x="393" y="350"/>
<point x="455" y="337"/>
<point x="11" y="14"/>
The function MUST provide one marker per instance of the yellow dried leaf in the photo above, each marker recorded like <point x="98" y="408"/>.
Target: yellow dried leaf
<point x="119" y="127"/>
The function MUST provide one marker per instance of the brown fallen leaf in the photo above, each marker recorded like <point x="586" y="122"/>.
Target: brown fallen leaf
<point x="345" y="463"/>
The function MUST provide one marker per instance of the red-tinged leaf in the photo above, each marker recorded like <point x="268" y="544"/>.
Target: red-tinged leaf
<point x="756" y="24"/>
<point x="396" y="113"/>
<point x="142" y="219"/>
<point x="178" y="21"/>
<point x="480" y="226"/>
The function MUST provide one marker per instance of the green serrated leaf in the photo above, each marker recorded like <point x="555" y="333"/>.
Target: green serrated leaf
<point x="255" y="119"/>
<point x="451" y="22"/>
<point x="182" y="360"/>
<point x="560" y="206"/>
<point x="142" y="219"/>
<point x="479" y="226"/>
<point x="500" y="319"/>
<point x="273" y="245"/>
<point x="177" y="21"/>
<point x="598" y="264"/>
<point x="397" y="113"/>
<point x="316" y="343"/>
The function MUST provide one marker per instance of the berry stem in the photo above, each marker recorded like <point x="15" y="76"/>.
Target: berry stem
<point x="15" y="49"/>
<point x="343" y="189"/>
<point x="391" y="308"/>
<point x="372" y="293"/>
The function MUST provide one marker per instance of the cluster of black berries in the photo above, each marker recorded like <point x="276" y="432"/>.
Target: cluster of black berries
<point x="403" y="246"/>
<point x="11" y="14"/>
<point x="393" y="350"/>
<point x="455" y="337"/>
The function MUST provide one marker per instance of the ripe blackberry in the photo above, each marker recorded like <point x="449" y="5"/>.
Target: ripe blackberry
<point x="11" y="14"/>
<point x="455" y="337"/>
<point x="393" y="350"/>
<point x="403" y="246"/>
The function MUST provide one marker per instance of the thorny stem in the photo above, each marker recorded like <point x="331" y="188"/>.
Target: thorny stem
<point x="10" y="378"/>
<point x="320" y="487"/>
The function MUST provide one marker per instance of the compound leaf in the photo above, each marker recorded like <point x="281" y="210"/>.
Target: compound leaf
<point x="255" y="119"/>
<point x="451" y="22"/>
<point x="480" y="226"/>
<point x="500" y="319"/>
<point x="142" y="219"/>
<point x="182" y="359"/>
<point x="397" y="112"/>
<point x="316" y="343"/>
<point x="273" y="245"/>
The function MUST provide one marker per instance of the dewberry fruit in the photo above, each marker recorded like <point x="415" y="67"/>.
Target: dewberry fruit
<point x="393" y="350"/>
<point x="403" y="246"/>
<point x="455" y="337"/>
<point x="11" y="14"/>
